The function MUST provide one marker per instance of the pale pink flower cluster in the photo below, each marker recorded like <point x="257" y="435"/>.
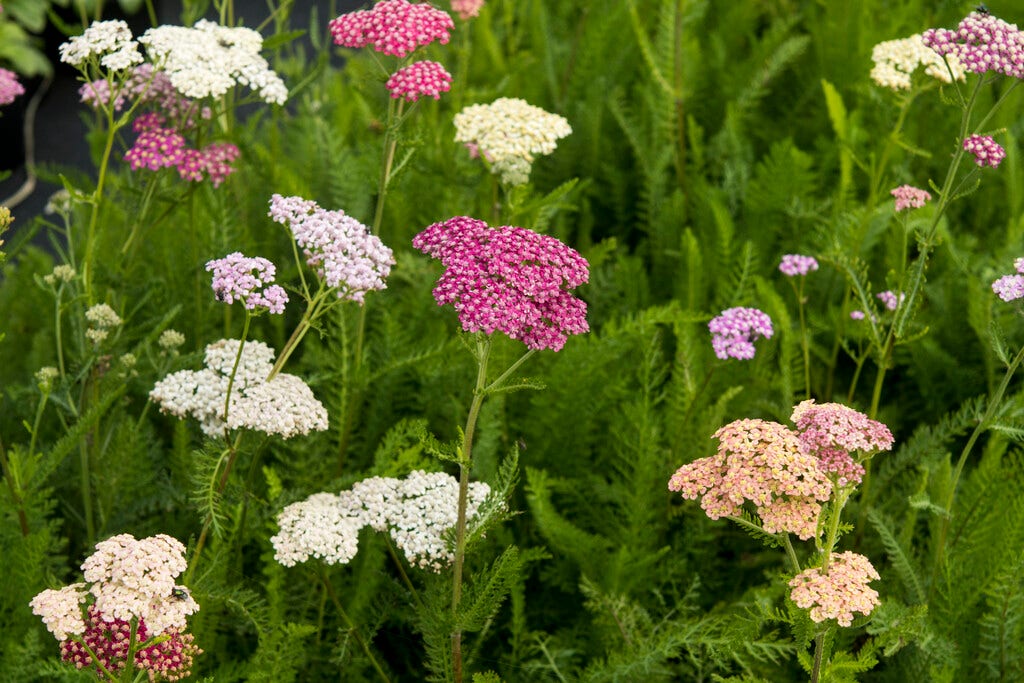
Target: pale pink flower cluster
<point x="734" y="331"/>
<point x="10" y="87"/>
<point x="284" y="405"/>
<point x="839" y="593"/>
<point x="169" y="659"/>
<point x="985" y="150"/>
<point x="891" y="300"/>
<point x="508" y="279"/>
<point x="764" y="463"/>
<point x="419" y="79"/>
<point x="248" y="279"/>
<point x="61" y="610"/>
<point x="338" y="247"/>
<point x="416" y="511"/>
<point x="832" y="432"/>
<point x="909" y="197"/>
<point x="1011" y="287"/>
<point x="796" y="264"/>
<point x="467" y="9"/>
<point x="147" y="86"/>
<point x="981" y="43"/>
<point x="393" y="27"/>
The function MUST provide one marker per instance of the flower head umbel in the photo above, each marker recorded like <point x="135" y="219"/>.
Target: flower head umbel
<point x="832" y="432"/>
<point x="10" y="87"/>
<point x="247" y="279"/>
<point x="110" y="42"/>
<point x="415" y="511"/>
<point x="207" y="60"/>
<point x="909" y="197"/>
<point x="467" y="9"/>
<point x="839" y="593"/>
<point x="338" y="247"/>
<point x="734" y="332"/>
<point x="510" y="133"/>
<point x="1011" y="287"/>
<point x="284" y="405"/>
<point x="508" y="279"/>
<point x="896" y="60"/>
<point x="981" y="43"/>
<point x="393" y="27"/>
<point x="891" y="300"/>
<point x="764" y="463"/>
<point x="795" y="264"/>
<point x="420" y="79"/>
<point x="986" y="151"/>
<point x="130" y="586"/>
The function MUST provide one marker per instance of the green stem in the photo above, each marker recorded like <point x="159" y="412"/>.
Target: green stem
<point x="14" y="487"/>
<point x="58" y="331"/>
<point x="352" y="627"/>
<point x="96" y="660"/>
<point x="819" y="648"/>
<point x="234" y="369"/>
<point x="390" y="146"/>
<point x="465" y="462"/>
<point x="232" y="454"/>
<point x="146" y="199"/>
<point x="496" y="384"/>
<point x="311" y="314"/>
<point x="983" y="424"/>
<point x="401" y="570"/>
<point x="90" y="236"/>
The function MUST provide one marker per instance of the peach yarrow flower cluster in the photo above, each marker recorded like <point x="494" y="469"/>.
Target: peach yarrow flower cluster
<point x="838" y="593"/>
<point x="832" y="433"/>
<point x="764" y="463"/>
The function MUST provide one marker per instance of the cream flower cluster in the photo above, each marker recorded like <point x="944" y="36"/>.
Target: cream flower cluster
<point x="896" y="60"/>
<point x="61" y="610"/>
<point x="284" y="405"/>
<point x="510" y="133"/>
<point x="839" y="593"/>
<point x="208" y="59"/>
<point x="102" y="319"/>
<point x="415" y="511"/>
<point x="110" y="41"/>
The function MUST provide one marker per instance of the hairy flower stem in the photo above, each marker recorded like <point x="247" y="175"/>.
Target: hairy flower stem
<point x="313" y="311"/>
<point x="819" y="648"/>
<point x="352" y="627"/>
<point x="830" y="541"/>
<point x="483" y="350"/>
<point x="983" y="424"/>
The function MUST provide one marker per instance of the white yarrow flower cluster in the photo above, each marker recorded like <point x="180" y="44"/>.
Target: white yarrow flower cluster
<point x="136" y="578"/>
<point x="285" y="405"/>
<point x="896" y="60"/>
<point x="61" y="610"/>
<point x="102" y="319"/>
<point x="415" y="511"/>
<point x="510" y="133"/>
<point x="208" y="59"/>
<point x="111" y="41"/>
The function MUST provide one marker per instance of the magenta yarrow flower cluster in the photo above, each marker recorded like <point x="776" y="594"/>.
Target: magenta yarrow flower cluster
<point x="838" y="593"/>
<point x="247" y="279"/>
<point x="467" y="9"/>
<point x="393" y="27"/>
<point x="1011" y="287"/>
<point x="909" y="197"/>
<point x="419" y="79"/>
<point x="339" y="248"/>
<point x="158" y="147"/>
<point x="10" y="87"/>
<point x="130" y="581"/>
<point x="985" y="150"/>
<point x="735" y="330"/>
<point x="764" y="463"/>
<point x="981" y="43"/>
<point x="508" y="279"/>
<point x="832" y="433"/>
<point x="891" y="300"/>
<point x="795" y="264"/>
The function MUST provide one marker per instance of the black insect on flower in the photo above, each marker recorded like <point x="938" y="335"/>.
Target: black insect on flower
<point x="982" y="9"/>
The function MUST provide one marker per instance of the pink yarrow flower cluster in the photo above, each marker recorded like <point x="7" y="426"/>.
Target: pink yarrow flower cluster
<point x="764" y="463"/>
<point x="832" y="432"/>
<point x="1011" y="287"/>
<point x="467" y="9"/>
<point x="734" y="332"/>
<point x="10" y="87"/>
<point x="393" y="27"/>
<point x="158" y="147"/>
<point x="985" y="150"/>
<point x="338" y="247"/>
<point x="508" y="279"/>
<point x="838" y="593"/>
<point x="891" y="300"/>
<point x="981" y="43"/>
<point x="795" y="264"/>
<point x="909" y="197"/>
<point x="420" y="79"/>
<point x="247" y="279"/>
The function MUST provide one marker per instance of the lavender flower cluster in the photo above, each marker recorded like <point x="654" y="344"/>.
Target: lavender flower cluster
<point x="735" y="330"/>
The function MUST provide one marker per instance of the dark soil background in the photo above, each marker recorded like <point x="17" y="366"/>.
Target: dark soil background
<point x="52" y="115"/>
